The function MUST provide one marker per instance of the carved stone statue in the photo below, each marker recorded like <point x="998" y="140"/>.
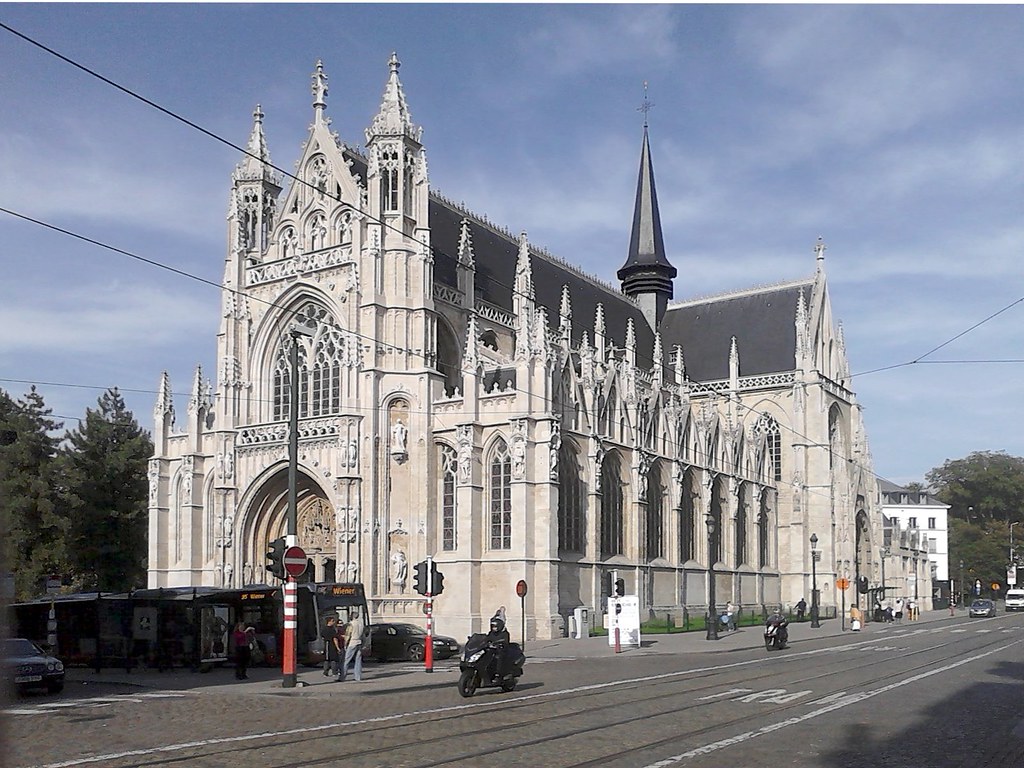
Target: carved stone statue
<point x="399" y="570"/>
<point x="399" y="438"/>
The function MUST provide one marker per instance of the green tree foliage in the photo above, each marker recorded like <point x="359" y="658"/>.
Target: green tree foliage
<point x="103" y="464"/>
<point x="985" y="492"/>
<point x="990" y="482"/>
<point x="31" y="531"/>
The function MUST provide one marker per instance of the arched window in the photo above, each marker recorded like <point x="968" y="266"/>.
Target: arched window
<point x="718" y="498"/>
<point x="687" y="517"/>
<point x="684" y="438"/>
<point x="611" y="506"/>
<point x="449" y="463"/>
<point x="836" y="441"/>
<point x="500" y="482"/>
<point x="763" y="517"/>
<point x="741" y="524"/>
<point x="655" y="512"/>
<point x="320" y="363"/>
<point x="389" y="180"/>
<point x="571" y="498"/>
<point x="769" y="428"/>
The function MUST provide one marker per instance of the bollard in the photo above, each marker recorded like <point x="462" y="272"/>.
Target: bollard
<point x="618" y="648"/>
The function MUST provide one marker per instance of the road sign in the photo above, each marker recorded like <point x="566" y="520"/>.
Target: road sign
<point x="521" y="588"/>
<point x="1011" y="576"/>
<point x="295" y="561"/>
<point x="842" y="584"/>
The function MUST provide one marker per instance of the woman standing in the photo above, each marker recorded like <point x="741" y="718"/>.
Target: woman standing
<point x="240" y="641"/>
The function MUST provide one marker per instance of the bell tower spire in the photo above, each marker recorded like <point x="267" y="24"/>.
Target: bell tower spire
<point x="647" y="274"/>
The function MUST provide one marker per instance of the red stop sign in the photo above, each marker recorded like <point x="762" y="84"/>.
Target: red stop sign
<point x="295" y="561"/>
<point x="521" y="588"/>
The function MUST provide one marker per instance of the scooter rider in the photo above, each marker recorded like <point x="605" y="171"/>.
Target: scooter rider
<point x="498" y="635"/>
<point x="781" y="622"/>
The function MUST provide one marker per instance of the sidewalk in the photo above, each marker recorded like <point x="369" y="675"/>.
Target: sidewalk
<point x="396" y="677"/>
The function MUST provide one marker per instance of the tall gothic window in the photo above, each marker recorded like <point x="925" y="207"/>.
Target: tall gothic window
<point x="571" y="495"/>
<point x="718" y="493"/>
<point x="449" y="540"/>
<point x="684" y="438"/>
<point x="320" y="363"/>
<point x="655" y="512"/>
<point x="769" y="427"/>
<point x="687" y="519"/>
<point x="389" y="180"/>
<point x="741" y="525"/>
<point x="611" y="506"/>
<point x="764" y="512"/>
<point x="501" y="498"/>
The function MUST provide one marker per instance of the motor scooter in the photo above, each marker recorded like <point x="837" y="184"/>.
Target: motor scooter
<point x="776" y="636"/>
<point x="486" y="663"/>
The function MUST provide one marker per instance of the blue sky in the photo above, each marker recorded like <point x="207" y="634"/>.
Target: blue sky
<point x="894" y="132"/>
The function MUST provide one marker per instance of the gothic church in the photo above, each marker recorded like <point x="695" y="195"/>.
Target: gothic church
<point x="466" y="395"/>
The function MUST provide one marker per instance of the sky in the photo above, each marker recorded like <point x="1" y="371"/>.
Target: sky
<point x="892" y="132"/>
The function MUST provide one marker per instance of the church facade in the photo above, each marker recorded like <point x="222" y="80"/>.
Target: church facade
<point x="465" y="395"/>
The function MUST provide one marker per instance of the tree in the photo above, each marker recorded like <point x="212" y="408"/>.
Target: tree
<point x="106" y="495"/>
<point x="31" y="545"/>
<point x="986" y="485"/>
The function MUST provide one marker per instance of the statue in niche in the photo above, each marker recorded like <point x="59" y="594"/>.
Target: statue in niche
<point x="353" y="453"/>
<point x="518" y="458"/>
<point x="399" y="438"/>
<point x="399" y="570"/>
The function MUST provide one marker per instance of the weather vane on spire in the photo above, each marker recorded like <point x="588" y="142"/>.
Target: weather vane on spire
<point x="647" y="106"/>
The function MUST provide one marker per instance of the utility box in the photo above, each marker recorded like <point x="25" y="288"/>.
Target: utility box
<point x="624" y="613"/>
<point x="580" y="623"/>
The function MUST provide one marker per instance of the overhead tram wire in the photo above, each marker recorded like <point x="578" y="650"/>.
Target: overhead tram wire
<point x="183" y="273"/>
<point x="284" y="172"/>
<point x="170" y="113"/>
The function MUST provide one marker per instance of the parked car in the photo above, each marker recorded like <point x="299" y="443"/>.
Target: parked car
<point x="26" y="665"/>
<point x="407" y="642"/>
<point x="982" y="608"/>
<point x="1014" y="600"/>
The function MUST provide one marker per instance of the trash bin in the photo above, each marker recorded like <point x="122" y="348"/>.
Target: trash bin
<point x="580" y="623"/>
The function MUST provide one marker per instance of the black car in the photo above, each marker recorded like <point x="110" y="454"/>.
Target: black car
<point x="407" y="642"/>
<point x="26" y="665"/>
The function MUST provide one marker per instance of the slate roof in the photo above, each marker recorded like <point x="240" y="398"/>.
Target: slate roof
<point x="763" y="320"/>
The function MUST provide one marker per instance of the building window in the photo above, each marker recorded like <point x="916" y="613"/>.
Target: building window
<point x="570" y="500"/>
<point x="763" y="515"/>
<point x="449" y="463"/>
<point x="501" y="498"/>
<point x="769" y="427"/>
<point x="611" y="506"/>
<point x="912" y="522"/>
<point x="320" y="364"/>
<point x="389" y="180"/>
<point x="687" y="512"/>
<point x="655" y="512"/>
<point x="931" y="523"/>
<point x="741" y="526"/>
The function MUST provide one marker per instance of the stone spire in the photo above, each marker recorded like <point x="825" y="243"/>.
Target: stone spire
<point x="524" y="270"/>
<point x="678" y="365"/>
<point x="465" y="245"/>
<point x="657" y="370"/>
<point x="164" y="400"/>
<point x="393" y="118"/>
<point x="319" y="92"/>
<point x="630" y="342"/>
<point x="197" y="400"/>
<point x="255" y="165"/>
<point x="565" y="317"/>
<point x="599" y="333"/>
<point x="819" y="254"/>
<point x="734" y="365"/>
<point x="471" y="358"/>
<point x="647" y="274"/>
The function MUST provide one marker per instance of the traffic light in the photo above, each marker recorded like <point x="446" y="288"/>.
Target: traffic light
<point x="610" y="583"/>
<point x="419" y="579"/>
<point x="620" y="587"/>
<point x="275" y="556"/>
<point x="436" y="579"/>
<point x="862" y="585"/>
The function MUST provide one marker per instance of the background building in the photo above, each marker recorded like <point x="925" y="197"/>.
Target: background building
<point x="920" y="534"/>
<point x="469" y="396"/>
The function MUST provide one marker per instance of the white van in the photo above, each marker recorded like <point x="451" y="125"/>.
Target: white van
<point x="1015" y="599"/>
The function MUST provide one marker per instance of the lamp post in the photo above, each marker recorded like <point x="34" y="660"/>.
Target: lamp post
<point x="289" y="677"/>
<point x="1012" y="558"/>
<point x="814" y="581"/>
<point x="712" y="622"/>
<point x="884" y="553"/>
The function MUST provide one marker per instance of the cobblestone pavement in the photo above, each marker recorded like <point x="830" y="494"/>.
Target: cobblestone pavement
<point x="400" y="715"/>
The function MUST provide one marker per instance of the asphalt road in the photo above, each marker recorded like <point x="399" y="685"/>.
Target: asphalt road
<point x="936" y="694"/>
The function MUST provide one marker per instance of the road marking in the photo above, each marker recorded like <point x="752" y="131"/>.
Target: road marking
<point x="846" y="701"/>
<point x="50" y="707"/>
<point x="168" y="748"/>
<point x="730" y="692"/>
<point x="954" y="631"/>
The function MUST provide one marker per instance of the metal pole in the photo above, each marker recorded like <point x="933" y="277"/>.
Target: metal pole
<point x="844" y="609"/>
<point x="288" y="660"/>
<point x="712" y="623"/>
<point x="814" y="582"/>
<point x="428" y="649"/>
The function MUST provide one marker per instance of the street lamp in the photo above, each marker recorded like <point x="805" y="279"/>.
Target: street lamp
<point x="885" y="554"/>
<point x="1012" y="558"/>
<point x="712" y="622"/>
<point x="814" y="581"/>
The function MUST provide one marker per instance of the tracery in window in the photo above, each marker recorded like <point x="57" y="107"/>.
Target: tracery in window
<point x="571" y="498"/>
<point x="611" y="506"/>
<point x="768" y="427"/>
<point x="500" y="481"/>
<point x="655" y="512"/>
<point x="320" y="359"/>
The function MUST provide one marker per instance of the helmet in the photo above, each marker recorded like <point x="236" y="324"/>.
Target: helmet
<point x="497" y="625"/>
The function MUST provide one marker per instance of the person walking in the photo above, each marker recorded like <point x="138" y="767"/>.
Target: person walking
<point x="898" y="613"/>
<point x="332" y="647"/>
<point x="353" y="646"/>
<point x="800" y="608"/>
<point x="240" y="641"/>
